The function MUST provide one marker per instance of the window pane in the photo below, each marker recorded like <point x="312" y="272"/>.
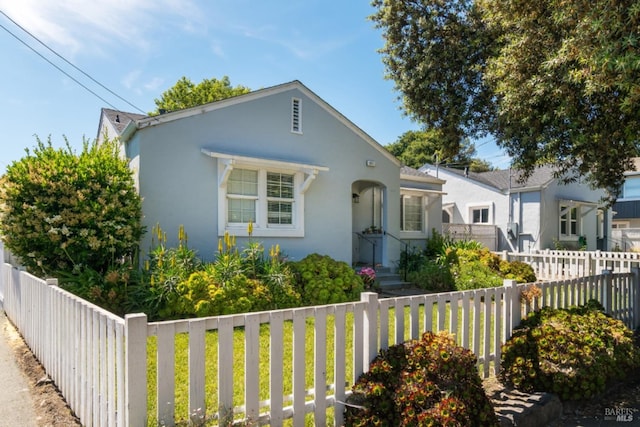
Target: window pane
<point x="280" y="213"/>
<point x="279" y="185"/>
<point x="412" y="213"/>
<point x="242" y="210"/>
<point x="631" y="187"/>
<point x="243" y="181"/>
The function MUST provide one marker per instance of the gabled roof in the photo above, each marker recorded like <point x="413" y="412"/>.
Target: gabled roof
<point x="412" y="174"/>
<point x="118" y="119"/>
<point x="504" y="179"/>
<point x="147" y="121"/>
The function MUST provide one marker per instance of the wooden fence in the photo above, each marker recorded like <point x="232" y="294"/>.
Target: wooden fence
<point x="103" y="364"/>
<point x="553" y="265"/>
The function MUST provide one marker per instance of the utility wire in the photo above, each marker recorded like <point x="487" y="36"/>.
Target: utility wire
<point x="68" y="62"/>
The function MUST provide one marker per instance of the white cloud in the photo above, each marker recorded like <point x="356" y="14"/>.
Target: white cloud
<point x="154" y="83"/>
<point x="80" y="26"/>
<point x="130" y="79"/>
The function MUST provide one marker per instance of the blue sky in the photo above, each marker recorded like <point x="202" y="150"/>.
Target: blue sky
<point x="140" y="48"/>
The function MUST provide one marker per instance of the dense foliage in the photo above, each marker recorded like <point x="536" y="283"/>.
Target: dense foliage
<point x="62" y="211"/>
<point x="426" y="382"/>
<point x="185" y="94"/>
<point x="574" y="352"/>
<point x="446" y="264"/>
<point x="553" y="81"/>
<point x="323" y="280"/>
<point x="175" y="283"/>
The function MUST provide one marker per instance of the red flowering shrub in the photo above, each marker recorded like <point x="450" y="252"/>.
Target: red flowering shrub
<point x="426" y="382"/>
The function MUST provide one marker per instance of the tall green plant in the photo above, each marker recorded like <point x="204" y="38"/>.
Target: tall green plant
<point x="61" y="211"/>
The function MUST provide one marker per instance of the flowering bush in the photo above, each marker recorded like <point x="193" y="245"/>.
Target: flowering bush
<point x="61" y="211"/>
<point x="571" y="352"/>
<point x="368" y="275"/>
<point x="237" y="281"/>
<point x="426" y="382"/>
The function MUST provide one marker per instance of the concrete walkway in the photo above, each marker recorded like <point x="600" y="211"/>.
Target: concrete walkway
<point x="16" y="402"/>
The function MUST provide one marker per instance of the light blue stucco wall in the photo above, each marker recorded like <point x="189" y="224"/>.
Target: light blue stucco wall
<point x="178" y="182"/>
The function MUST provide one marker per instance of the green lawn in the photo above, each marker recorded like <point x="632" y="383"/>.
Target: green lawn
<point x="211" y="381"/>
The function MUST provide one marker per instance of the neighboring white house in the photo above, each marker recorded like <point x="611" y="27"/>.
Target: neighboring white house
<point x="308" y="178"/>
<point x="507" y="214"/>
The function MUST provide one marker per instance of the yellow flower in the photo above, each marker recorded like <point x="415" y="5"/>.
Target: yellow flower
<point x="250" y="228"/>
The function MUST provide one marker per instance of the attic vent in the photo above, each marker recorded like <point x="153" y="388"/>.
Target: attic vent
<point x="296" y="115"/>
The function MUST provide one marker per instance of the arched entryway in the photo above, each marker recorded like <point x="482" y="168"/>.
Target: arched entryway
<point x="369" y="217"/>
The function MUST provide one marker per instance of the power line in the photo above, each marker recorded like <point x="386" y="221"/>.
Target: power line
<point x="68" y="62"/>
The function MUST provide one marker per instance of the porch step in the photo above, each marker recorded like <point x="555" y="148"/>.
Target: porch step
<point x="389" y="281"/>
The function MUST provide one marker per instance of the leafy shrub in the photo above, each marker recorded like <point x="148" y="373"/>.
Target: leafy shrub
<point x="431" y="381"/>
<point x="518" y="271"/>
<point x="120" y="290"/>
<point x="323" y="280"/>
<point x="60" y="210"/>
<point x="432" y="275"/>
<point x="571" y="352"/>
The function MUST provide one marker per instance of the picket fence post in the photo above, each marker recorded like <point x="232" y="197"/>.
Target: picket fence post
<point x="370" y="332"/>
<point x="512" y="307"/>
<point x="636" y="293"/>
<point x="607" y="291"/>
<point x="135" y="335"/>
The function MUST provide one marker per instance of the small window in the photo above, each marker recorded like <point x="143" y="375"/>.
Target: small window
<point x="411" y="209"/>
<point x="480" y="216"/>
<point x="631" y="188"/>
<point x="296" y="115"/>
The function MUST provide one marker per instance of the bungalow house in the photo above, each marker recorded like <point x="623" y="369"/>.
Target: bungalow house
<point x="308" y="179"/>
<point x="504" y="213"/>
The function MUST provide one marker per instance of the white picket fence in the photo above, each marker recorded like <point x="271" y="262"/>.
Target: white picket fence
<point x="100" y="362"/>
<point x="553" y="265"/>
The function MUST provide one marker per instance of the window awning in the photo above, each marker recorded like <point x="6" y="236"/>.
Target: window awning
<point x="426" y="192"/>
<point x="229" y="160"/>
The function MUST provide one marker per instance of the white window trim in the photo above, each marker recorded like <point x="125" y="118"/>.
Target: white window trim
<point x="474" y="206"/>
<point x="304" y="175"/>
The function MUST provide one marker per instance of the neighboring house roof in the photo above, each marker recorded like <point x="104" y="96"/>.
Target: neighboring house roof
<point x="412" y="174"/>
<point x="142" y="122"/>
<point x="504" y="179"/>
<point x="118" y="119"/>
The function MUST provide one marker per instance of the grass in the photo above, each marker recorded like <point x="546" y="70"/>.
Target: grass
<point x="211" y="367"/>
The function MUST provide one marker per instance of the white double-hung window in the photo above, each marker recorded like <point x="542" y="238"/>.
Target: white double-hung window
<point x="267" y="193"/>
<point x="242" y="196"/>
<point x="280" y="198"/>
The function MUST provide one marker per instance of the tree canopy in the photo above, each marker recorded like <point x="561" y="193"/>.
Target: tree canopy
<point x="415" y="148"/>
<point x="185" y="94"/>
<point x="554" y="82"/>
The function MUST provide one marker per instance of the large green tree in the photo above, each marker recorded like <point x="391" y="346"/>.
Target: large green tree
<point x="435" y="54"/>
<point x="185" y="94"/>
<point x="553" y="81"/>
<point x="415" y="148"/>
